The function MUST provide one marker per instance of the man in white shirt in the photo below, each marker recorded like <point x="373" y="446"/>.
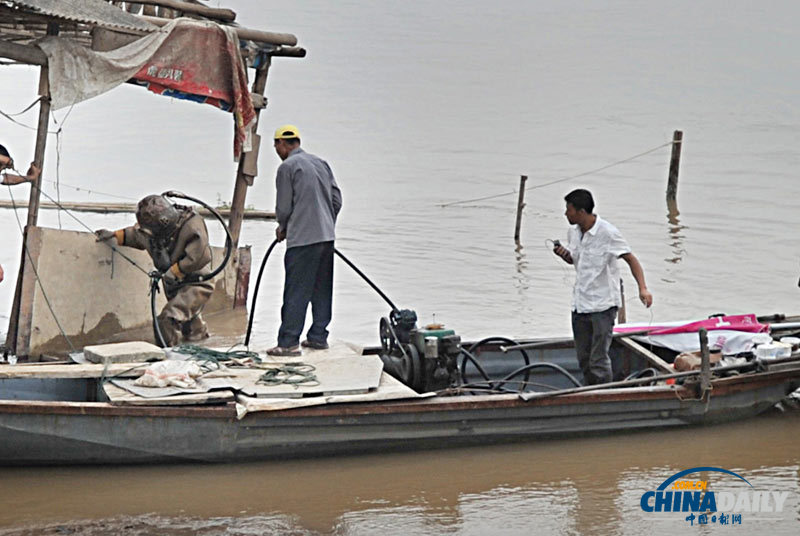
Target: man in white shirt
<point x="593" y="247"/>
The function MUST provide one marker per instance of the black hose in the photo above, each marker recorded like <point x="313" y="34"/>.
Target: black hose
<point x="255" y="292"/>
<point x="261" y="272"/>
<point x="155" y="277"/>
<point x="468" y="355"/>
<point x="228" y="240"/>
<point x="487" y="341"/>
<point x="365" y="278"/>
<point x="642" y="374"/>
<point x="531" y="366"/>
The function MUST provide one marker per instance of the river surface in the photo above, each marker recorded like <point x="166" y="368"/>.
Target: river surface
<point x="422" y="103"/>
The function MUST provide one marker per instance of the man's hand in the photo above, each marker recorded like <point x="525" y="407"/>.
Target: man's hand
<point x="2" y="275"/>
<point x="645" y="297"/>
<point x="13" y="179"/>
<point x="104" y="234"/>
<point x="280" y="234"/>
<point x="33" y="172"/>
<point x="563" y="252"/>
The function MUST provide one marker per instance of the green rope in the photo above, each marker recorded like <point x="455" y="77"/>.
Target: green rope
<point x="295" y="374"/>
<point x="213" y="359"/>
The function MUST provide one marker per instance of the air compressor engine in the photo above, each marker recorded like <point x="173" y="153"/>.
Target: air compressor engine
<point x="425" y="359"/>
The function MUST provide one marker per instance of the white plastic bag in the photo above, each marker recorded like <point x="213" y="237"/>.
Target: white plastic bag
<point x="170" y="373"/>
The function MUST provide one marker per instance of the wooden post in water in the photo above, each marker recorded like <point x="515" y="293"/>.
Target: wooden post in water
<point x="622" y="315"/>
<point x="35" y="194"/>
<point x="520" y="205"/>
<point x="674" y="168"/>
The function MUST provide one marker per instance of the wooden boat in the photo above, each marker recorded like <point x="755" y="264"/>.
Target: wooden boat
<point x="61" y="420"/>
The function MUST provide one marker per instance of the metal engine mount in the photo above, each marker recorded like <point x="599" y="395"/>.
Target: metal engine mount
<point x="425" y="359"/>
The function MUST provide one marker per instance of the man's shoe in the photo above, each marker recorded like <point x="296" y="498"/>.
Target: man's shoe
<point x="281" y="351"/>
<point x="314" y="345"/>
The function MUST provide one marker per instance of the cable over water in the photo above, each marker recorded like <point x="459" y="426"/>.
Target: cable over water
<point x="564" y="179"/>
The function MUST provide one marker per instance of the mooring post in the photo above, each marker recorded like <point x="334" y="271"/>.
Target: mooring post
<point x="622" y="314"/>
<point x="674" y="167"/>
<point x="705" y="363"/>
<point x="520" y="205"/>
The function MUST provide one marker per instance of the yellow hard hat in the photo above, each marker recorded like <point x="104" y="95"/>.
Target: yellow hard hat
<point x="287" y="132"/>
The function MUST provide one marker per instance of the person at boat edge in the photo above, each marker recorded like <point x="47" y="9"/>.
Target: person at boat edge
<point x="11" y="179"/>
<point x="593" y="247"/>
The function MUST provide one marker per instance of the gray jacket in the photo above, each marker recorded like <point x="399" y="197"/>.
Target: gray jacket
<point x="307" y="200"/>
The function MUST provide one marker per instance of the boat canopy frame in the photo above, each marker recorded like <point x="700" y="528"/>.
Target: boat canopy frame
<point x="23" y="22"/>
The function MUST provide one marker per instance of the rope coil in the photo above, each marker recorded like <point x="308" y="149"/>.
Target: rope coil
<point x="296" y="374"/>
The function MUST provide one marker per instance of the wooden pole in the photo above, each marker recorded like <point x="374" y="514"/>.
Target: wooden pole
<point x="242" y="179"/>
<point x="674" y="167"/>
<point x="622" y="314"/>
<point x="22" y="53"/>
<point x="272" y="38"/>
<point x="520" y="205"/>
<point x="222" y="14"/>
<point x="35" y="195"/>
<point x="705" y="363"/>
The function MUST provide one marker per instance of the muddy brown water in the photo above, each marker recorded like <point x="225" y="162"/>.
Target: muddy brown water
<point x="578" y="486"/>
<point x="424" y="102"/>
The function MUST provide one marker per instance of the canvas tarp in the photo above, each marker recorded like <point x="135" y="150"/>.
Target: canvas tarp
<point x="186" y="57"/>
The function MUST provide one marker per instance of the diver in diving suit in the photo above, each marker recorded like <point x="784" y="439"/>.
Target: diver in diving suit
<point x="176" y="238"/>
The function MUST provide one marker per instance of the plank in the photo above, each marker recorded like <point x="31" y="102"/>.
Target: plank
<point x="652" y="358"/>
<point x="110" y="208"/>
<point x="73" y="371"/>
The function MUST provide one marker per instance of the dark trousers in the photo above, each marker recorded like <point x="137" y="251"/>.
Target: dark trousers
<point x="309" y="278"/>
<point x="592" y="333"/>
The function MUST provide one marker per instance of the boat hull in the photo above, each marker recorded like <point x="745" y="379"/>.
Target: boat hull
<point x="44" y="433"/>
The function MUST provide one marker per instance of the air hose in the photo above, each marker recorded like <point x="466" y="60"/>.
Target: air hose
<point x="156" y="276"/>
<point x="255" y="292"/>
<point x="228" y="240"/>
<point x="261" y="272"/>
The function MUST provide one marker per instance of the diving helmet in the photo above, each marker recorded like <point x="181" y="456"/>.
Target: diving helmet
<point x="156" y="215"/>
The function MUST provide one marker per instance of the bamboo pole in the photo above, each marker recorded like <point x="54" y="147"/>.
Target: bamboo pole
<point x="115" y="208"/>
<point x="520" y="206"/>
<point x="222" y="14"/>
<point x="33" y="202"/>
<point x="272" y="38"/>
<point x="243" y="180"/>
<point x="674" y="167"/>
<point x="28" y="54"/>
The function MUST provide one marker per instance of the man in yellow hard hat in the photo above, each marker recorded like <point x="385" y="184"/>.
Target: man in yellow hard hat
<point x="307" y="203"/>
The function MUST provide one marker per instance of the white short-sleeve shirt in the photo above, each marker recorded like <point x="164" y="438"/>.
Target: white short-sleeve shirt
<point x="594" y="255"/>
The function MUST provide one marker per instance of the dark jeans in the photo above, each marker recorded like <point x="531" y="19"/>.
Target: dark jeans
<point x="309" y="278"/>
<point x="592" y="333"/>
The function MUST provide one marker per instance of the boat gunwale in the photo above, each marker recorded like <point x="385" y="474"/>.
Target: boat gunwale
<point x="720" y="386"/>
